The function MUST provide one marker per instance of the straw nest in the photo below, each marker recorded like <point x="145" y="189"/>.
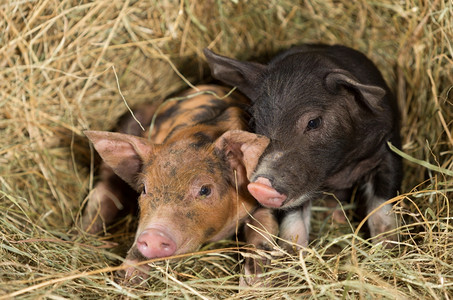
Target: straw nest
<point x="65" y="66"/>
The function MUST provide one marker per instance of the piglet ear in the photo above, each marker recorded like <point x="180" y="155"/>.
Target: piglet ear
<point x="244" y="75"/>
<point x="124" y="153"/>
<point x="242" y="150"/>
<point x="370" y="95"/>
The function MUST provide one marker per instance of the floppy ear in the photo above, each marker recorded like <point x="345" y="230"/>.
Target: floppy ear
<point x="242" y="150"/>
<point x="370" y="95"/>
<point x="124" y="153"/>
<point x="243" y="75"/>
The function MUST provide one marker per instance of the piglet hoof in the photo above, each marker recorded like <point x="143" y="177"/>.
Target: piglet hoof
<point x="253" y="271"/>
<point x="334" y="211"/>
<point x="291" y="248"/>
<point x="338" y="217"/>
<point x="384" y="226"/>
<point x="389" y="240"/>
<point x="132" y="274"/>
<point x="255" y="266"/>
<point x="91" y="225"/>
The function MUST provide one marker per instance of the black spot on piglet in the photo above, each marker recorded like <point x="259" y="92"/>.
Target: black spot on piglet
<point x="201" y="140"/>
<point x="209" y="232"/>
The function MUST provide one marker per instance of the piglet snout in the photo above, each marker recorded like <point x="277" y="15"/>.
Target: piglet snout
<point x="153" y="243"/>
<point x="265" y="194"/>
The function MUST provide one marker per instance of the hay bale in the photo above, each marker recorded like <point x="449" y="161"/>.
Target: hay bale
<point x="64" y="67"/>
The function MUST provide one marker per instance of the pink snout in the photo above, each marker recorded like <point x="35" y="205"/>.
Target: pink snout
<point x="265" y="194"/>
<point x="154" y="243"/>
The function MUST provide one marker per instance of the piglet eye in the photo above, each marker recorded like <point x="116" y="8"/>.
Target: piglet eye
<point x="205" y="190"/>
<point x="144" y="192"/>
<point x="314" y="123"/>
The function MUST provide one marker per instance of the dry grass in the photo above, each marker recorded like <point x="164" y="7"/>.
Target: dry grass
<point x="63" y="65"/>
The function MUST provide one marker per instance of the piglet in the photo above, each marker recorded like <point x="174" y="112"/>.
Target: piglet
<point x="189" y="174"/>
<point x="329" y="115"/>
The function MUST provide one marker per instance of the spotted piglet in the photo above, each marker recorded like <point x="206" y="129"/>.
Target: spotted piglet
<point x="329" y="115"/>
<point x="189" y="174"/>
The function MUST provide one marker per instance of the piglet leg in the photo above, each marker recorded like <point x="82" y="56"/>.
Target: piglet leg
<point x="132" y="274"/>
<point x="295" y="227"/>
<point x="105" y="201"/>
<point x="260" y="232"/>
<point x="383" y="222"/>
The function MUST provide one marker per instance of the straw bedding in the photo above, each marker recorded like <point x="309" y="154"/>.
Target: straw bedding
<point x="67" y="66"/>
